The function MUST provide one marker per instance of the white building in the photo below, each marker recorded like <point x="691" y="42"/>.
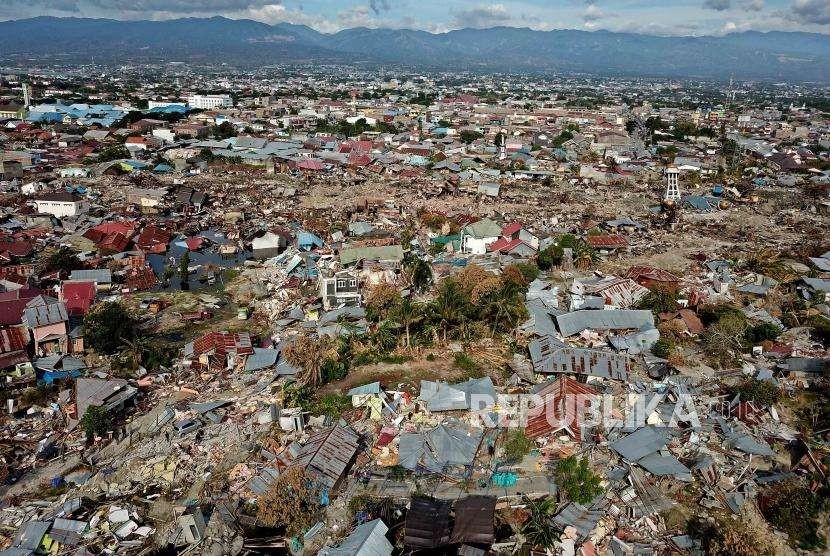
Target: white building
<point x="477" y="236"/>
<point x="209" y="102"/>
<point x="61" y="204"/>
<point x="165" y="135"/>
<point x="162" y="104"/>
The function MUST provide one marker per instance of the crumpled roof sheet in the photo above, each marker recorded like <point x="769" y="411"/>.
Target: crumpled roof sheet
<point x="328" y="454"/>
<point x="641" y="443"/>
<point x="582" y="518"/>
<point x="548" y="357"/>
<point x="368" y="539"/>
<point x="442" y="446"/>
<point x="474" y="520"/>
<point x="560" y="411"/>
<point x="427" y="523"/>
<point x="622" y="319"/>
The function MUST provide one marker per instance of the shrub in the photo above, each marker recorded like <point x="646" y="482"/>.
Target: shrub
<point x="576" y="480"/>
<point x="529" y="270"/>
<point x="793" y="508"/>
<point x="760" y="391"/>
<point x="292" y="502"/>
<point x="468" y="365"/>
<point x="550" y="257"/>
<point x="761" y="333"/>
<point x="662" y="348"/>
<point x="95" y="422"/>
<point x="728" y="537"/>
<point x="659" y="300"/>
<point x="517" y="446"/>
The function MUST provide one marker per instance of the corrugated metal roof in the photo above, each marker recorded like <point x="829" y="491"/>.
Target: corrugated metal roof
<point x="329" y="453"/>
<point x="427" y="523"/>
<point x="44" y="315"/>
<point x="623" y="319"/>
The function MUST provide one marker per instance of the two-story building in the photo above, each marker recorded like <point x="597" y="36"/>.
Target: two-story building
<point x="340" y="289"/>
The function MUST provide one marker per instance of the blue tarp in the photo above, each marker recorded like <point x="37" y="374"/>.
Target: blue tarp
<point x="51" y="376"/>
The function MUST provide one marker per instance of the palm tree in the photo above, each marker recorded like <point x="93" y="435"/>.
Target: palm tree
<point x="448" y="306"/>
<point x="408" y="314"/>
<point x="420" y="274"/>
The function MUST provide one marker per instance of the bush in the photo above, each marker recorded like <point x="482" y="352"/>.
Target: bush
<point x="95" y="422"/>
<point x="760" y="391"/>
<point x="662" y="348"/>
<point x="576" y="480"/>
<point x="292" y="502"/>
<point x="820" y="328"/>
<point x="517" y="446"/>
<point x="734" y="538"/>
<point x="529" y="270"/>
<point x="761" y="332"/>
<point x="658" y="301"/>
<point x="468" y="365"/>
<point x="107" y="325"/>
<point x="550" y="257"/>
<point x="793" y="508"/>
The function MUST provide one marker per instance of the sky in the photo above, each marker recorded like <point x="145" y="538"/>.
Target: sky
<point x="682" y="17"/>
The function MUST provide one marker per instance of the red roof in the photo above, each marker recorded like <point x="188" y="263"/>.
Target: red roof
<point x="116" y="243"/>
<point x="17" y="248"/>
<point x="655" y="274"/>
<point x="13" y="338"/>
<point x="141" y="278"/>
<point x="125" y="227"/>
<point x="311" y="165"/>
<point x="511" y="229"/>
<point x="224" y="343"/>
<point x="561" y="398"/>
<point x="153" y="240"/>
<point x="607" y="241"/>
<point x="78" y="296"/>
<point x="13" y="302"/>
<point x="504" y="244"/>
<point x="194" y="243"/>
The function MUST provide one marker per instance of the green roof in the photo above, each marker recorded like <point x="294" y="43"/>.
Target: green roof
<point x="383" y="253"/>
<point x="483" y="228"/>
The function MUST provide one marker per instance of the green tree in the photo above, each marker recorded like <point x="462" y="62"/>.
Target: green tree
<point x="539" y="528"/>
<point x="550" y="257"/>
<point x="448" y="307"/>
<point x="576" y="480"/>
<point x="517" y="446"/>
<point x="420" y="274"/>
<point x="64" y="259"/>
<point x="468" y="136"/>
<point x="114" y="152"/>
<point x="95" y="422"/>
<point x="107" y="326"/>
<point x="659" y="300"/>
<point x="225" y="130"/>
<point x="184" y="263"/>
<point x="408" y="314"/>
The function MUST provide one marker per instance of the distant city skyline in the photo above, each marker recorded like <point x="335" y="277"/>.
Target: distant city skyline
<point x="684" y="17"/>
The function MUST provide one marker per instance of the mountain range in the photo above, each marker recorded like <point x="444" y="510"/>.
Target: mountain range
<point x="786" y="56"/>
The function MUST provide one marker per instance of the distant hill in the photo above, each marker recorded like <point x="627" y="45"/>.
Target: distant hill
<point x="749" y="55"/>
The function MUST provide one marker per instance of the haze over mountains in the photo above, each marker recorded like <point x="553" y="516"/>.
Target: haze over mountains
<point x="792" y="56"/>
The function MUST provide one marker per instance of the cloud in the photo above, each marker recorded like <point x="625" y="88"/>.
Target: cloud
<point x="482" y="16"/>
<point x="717" y="5"/>
<point x="754" y="5"/>
<point x="380" y="6"/>
<point x="593" y="13"/>
<point x="178" y="6"/>
<point x="815" y="12"/>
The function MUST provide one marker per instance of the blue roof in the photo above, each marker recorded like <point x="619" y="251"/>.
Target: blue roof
<point x="307" y="238"/>
<point x="169" y="109"/>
